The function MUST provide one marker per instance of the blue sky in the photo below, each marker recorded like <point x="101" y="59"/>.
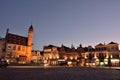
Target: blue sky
<point x="67" y="22"/>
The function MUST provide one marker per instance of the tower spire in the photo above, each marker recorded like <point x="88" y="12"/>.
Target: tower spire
<point x="30" y="35"/>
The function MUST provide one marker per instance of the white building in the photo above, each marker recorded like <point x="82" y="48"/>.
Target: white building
<point x="51" y="55"/>
<point x="36" y="57"/>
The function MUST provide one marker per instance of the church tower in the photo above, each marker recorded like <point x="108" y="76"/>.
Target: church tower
<point x="29" y="44"/>
<point x="30" y="35"/>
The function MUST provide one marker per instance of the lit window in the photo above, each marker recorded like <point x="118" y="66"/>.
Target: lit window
<point x="14" y="47"/>
<point x="9" y="47"/>
<point x="23" y="48"/>
<point x="19" y="48"/>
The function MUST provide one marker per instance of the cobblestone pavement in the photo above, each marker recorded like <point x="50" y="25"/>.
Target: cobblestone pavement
<point x="59" y="73"/>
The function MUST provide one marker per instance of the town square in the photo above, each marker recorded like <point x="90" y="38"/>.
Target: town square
<point x="59" y="73"/>
<point x="59" y="39"/>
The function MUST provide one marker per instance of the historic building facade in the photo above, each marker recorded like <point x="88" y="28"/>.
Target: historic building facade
<point x="51" y="55"/>
<point x="36" y="57"/>
<point x="103" y="55"/>
<point x="68" y="55"/>
<point x="100" y="55"/>
<point x="63" y="55"/>
<point x="18" y="48"/>
<point x="2" y="47"/>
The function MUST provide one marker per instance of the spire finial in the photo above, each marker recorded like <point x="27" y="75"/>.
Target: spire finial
<point x="31" y="28"/>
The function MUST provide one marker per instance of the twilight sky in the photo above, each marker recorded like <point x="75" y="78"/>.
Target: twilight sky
<point x="67" y="22"/>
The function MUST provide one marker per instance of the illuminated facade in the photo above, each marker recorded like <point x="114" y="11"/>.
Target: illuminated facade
<point x="103" y="54"/>
<point x="70" y="55"/>
<point x="36" y="57"/>
<point x="2" y="47"/>
<point x="18" y="48"/>
<point x="51" y="55"/>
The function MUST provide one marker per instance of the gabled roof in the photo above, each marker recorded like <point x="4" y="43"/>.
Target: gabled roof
<point x="100" y="44"/>
<point x="112" y="43"/>
<point x="49" y="47"/>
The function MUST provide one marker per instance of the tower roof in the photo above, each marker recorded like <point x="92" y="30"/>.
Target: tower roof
<point x="31" y="28"/>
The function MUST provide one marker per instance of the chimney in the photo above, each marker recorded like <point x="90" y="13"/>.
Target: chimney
<point x="7" y="31"/>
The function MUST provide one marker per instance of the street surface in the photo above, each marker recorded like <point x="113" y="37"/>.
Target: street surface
<point x="58" y="73"/>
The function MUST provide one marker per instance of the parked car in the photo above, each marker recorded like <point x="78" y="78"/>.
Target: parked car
<point x="3" y="63"/>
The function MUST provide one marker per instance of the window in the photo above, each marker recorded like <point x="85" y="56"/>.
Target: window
<point x="19" y="48"/>
<point x="9" y="47"/>
<point x="116" y="48"/>
<point x="104" y="48"/>
<point x="14" y="47"/>
<point x="23" y="48"/>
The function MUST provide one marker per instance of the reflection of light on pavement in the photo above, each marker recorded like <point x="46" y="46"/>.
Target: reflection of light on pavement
<point x="24" y="66"/>
<point x="32" y="66"/>
<point x="46" y="65"/>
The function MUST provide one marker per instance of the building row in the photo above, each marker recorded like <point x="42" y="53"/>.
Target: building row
<point x="100" y="55"/>
<point x="18" y="49"/>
